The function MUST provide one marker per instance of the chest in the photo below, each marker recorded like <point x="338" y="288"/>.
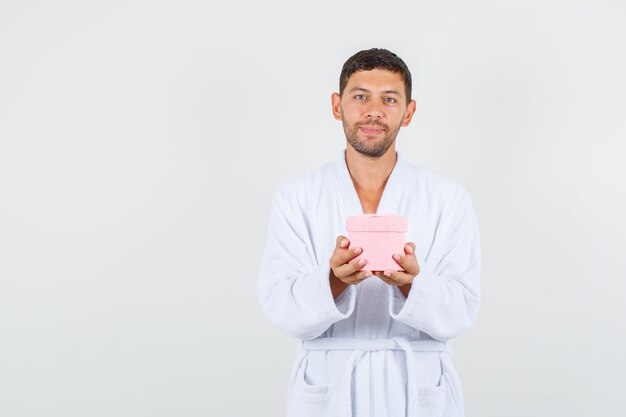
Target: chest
<point x="369" y="201"/>
<point x="326" y="211"/>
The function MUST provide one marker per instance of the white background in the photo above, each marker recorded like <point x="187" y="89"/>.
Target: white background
<point x="141" y="142"/>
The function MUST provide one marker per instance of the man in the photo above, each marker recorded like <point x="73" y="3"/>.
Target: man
<point x="372" y="343"/>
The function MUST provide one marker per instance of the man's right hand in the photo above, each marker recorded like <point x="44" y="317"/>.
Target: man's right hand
<point x="342" y="272"/>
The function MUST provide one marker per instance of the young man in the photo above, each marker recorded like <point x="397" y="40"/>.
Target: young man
<point x="372" y="343"/>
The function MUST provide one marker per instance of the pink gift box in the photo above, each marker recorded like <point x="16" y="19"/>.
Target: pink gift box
<point x="380" y="236"/>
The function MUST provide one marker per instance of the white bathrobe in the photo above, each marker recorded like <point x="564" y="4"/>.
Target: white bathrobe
<point x="371" y="352"/>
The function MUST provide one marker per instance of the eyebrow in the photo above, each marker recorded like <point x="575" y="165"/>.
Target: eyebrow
<point x="368" y="91"/>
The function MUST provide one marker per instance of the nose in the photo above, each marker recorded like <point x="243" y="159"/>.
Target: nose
<point x="373" y="110"/>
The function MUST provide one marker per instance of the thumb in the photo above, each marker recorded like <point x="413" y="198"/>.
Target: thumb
<point x="342" y="241"/>
<point x="409" y="248"/>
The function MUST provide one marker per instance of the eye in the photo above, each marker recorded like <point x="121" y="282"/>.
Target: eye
<point x="390" y="100"/>
<point x="359" y="97"/>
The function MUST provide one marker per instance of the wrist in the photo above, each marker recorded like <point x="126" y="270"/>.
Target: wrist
<point x="405" y="289"/>
<point x="337" y="286"/>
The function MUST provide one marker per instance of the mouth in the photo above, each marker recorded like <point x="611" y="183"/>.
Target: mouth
<point x="371" y="130"/>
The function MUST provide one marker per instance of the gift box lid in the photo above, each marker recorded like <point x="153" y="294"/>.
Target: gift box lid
<point x="376" y="223"/>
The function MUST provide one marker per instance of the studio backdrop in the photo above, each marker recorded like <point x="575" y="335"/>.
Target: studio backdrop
<point x="141" y="143"/>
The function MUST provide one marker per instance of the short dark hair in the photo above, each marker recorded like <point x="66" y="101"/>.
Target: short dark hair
<point x="375" y="58"/>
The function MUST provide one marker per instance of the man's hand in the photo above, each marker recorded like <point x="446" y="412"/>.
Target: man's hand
<point x="343" y="273"/>
<point x="403" y="279"/>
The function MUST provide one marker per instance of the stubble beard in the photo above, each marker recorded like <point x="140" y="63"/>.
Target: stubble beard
<point x="373" y="149"/>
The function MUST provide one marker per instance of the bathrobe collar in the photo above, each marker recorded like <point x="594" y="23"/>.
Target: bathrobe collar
<point x="394" y="189"/>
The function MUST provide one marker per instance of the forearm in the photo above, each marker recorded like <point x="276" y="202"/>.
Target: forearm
<point x="443" y="308"/>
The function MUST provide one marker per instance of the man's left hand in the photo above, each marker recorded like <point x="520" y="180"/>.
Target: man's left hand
<point x="403" y="279"/>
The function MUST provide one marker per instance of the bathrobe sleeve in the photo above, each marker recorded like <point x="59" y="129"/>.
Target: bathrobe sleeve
<point x="292" y="288"/>
<point x="445" y="296"/>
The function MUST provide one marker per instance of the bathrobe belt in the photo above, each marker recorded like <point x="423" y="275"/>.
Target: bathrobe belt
<point x="361" y="347"/>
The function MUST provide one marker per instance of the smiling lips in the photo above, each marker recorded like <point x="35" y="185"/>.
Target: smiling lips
<point x="371" y="130"/>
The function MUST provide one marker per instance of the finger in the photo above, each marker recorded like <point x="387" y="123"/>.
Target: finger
<point x="345" y="256"/>
<point x="358" y="277"/>
<point x="341" y="242"/>
<point x="341" y="254"/>
<point x="350" y="268"/>
<point x="380" y="275"/>
<point x="407" y="262"/>
<point x="409" y="248"/>
<point x="387" y="280"/>
<point x="398" y="277"/>
<point x="384" y="278"/>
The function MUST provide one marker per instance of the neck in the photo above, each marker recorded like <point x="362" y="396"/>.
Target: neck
<point x="370" y="174"/>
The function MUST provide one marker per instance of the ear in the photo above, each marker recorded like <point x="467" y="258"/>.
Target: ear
<point x="408" y="113"/>
<point x="335" y="99"/>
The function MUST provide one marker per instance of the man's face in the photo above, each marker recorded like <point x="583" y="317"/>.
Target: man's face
<point x="372" y="109"/>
